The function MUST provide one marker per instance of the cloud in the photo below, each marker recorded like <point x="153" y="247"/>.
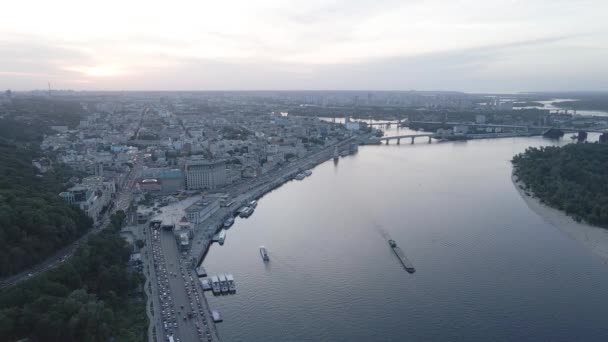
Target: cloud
<point x="312" y="44"/>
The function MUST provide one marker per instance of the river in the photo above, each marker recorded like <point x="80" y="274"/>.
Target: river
<point x="487" y="267"/>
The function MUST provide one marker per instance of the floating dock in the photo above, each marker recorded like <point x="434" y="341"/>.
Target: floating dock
<point x="201" y="272"/>
<point x="217" y="316"/>
<point x="206" y="284"/>
<point x="404" y="260"/>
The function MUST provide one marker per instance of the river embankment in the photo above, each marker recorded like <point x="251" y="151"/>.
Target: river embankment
<point x="595" y="239"/>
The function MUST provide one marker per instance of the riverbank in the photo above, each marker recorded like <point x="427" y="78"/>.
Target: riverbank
<point x="254" y="191"/>
<point x="595" y="239"/>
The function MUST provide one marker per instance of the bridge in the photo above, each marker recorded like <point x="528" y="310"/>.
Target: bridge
<point x="410" y="136"/>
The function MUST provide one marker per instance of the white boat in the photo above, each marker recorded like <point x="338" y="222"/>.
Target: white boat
<point x="230" y="279"/>
<point x="307" y="173"/>
<point x="300" y="176"/>
<point x="229" y="222"/>
<point x="253" y="204"/>
<point x="247" y="212"/>
<point x="223" y="283"/>
<point x="264" y="253"/>
<point x="221" y="237"/>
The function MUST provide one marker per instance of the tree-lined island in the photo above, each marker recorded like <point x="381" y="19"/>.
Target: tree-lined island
<point x="572" y="178"/>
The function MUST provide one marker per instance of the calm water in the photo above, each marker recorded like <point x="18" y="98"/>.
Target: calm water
<point x="488" y="268"/>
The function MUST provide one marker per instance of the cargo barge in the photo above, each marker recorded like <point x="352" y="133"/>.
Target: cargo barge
<point x="399" y="253"/>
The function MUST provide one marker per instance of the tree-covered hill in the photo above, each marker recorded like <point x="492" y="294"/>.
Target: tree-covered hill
<point x="91" y="297"/>
<point x="572" y="178"/>
<point x="34" y="221"/>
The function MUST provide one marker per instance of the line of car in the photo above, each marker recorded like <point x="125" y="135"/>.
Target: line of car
<point x="168" y="316"/>
<point x="169" y="312"/>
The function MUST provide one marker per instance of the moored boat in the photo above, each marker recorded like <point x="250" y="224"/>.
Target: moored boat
<point x="229" y="222"/>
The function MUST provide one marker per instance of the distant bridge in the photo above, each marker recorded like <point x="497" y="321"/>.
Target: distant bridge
<point x="410" y="136"/>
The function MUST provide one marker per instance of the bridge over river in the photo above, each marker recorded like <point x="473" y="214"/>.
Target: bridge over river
<point x="406" y="136"/>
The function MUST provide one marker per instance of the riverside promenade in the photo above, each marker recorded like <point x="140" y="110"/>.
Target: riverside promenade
<point x="242" y="193"/>
<point x="246" y="192"/>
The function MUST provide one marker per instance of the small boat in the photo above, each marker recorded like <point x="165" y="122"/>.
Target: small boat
<point x="336" y="154"/>
<point x="253" y="204"/>
<point x="229" y="222"/>
<point x="574" y="137"/>
<point x="247" y="212"/>
<point x="392" y="242"/>
<point x="307" y="173"/>
<point x="300" y="176"/>
<point x="221" y="237"/>
<point x="264" y="253"/>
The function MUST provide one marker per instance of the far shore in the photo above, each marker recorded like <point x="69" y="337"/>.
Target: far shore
<point x="591" y="237"/>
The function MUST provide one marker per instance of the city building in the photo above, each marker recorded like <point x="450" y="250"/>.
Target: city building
<point x="92" y="195"/>
<point x="201" y="210"/>
<point x="171" y="179"/>
<point x="205" y="174"/>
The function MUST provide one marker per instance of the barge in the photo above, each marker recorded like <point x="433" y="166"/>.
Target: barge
<point x="399" y="253"/>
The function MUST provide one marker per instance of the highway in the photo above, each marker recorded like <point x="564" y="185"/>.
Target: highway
<point x="178" y="308"/>
<point x="123" y="199"/>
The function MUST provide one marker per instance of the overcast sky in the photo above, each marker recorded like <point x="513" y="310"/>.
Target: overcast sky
<point x="468" y="45"/>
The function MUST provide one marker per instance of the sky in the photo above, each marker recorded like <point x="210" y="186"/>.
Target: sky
<point x="464" y="45"/>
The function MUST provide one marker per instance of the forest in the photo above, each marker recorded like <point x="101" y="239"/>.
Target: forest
<point x="34" y="221"/>
<point x="572" y="178"/>
<point x="91" y="297"/>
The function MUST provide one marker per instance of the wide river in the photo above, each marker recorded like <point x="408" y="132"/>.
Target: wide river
<point x="487" y="267"/>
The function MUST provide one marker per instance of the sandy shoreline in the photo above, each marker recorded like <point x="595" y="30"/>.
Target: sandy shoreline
<point x="593" y="238"/>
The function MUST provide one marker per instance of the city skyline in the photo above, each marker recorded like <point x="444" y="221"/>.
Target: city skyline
<point x="490" y="46"/>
